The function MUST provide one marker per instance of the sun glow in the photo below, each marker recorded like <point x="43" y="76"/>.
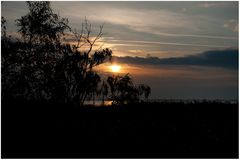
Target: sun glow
<point x="115" y="68"/>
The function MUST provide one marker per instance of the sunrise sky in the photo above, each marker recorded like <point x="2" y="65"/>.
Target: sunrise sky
<point x="180" y="49"/>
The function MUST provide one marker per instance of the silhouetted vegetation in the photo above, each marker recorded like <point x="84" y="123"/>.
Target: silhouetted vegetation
<point x="42" y="66"/>
<point x="124" y="91"/>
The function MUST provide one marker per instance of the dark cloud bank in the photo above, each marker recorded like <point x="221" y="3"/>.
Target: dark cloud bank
<point x="227" y="59"/>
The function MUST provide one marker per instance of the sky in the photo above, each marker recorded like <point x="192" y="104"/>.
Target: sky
<point x="186" y="50"/>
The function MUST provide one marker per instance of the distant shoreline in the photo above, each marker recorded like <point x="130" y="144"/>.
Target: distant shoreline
<point x="185" y="101"/>
<point x="232" y="101"/>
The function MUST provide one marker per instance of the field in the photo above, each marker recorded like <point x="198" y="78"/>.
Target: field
<point x="144" y="130"/>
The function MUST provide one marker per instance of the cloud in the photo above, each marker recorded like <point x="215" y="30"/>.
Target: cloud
<point x="231" y="24"/>
<point x="172" y="44"/>
<point x="197" y="36"/>
<point x="214" y="4"/>
<point x="227" y="59"/>
<point x="184" y="9"/>
<point x="153" y="21"/>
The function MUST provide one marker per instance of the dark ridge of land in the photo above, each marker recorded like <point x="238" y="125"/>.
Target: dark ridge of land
<point x="144" y="130"/>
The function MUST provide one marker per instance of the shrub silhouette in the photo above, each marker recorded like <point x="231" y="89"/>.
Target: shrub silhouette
<point x="124" y="91"/>
<point x="144" y="90"/>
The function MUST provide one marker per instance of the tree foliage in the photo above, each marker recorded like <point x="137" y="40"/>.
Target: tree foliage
<point x="3" y="27"/>
<point x="43" y="67"/>
<point x="123" y="89"/>
<point x="41" y="25"/>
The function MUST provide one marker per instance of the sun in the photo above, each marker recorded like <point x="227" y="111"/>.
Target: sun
<point x="115" y="68"/>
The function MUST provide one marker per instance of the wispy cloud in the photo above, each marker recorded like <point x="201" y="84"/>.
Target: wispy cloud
<point x="169" y="43"/>
<point x="199" y="36"/>
<point x="214" y="4"/>
<point x="165" y="28"/>
<point x="161" y="21"/>
<point x="231" y="24"/>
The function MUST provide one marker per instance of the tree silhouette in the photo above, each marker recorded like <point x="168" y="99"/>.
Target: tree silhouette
<point x="104" y="91"/>
<point x="42" y="66"/>
<point x="29" y="67"/>
<point x="144" y="90"/>
<point x="124" y="91"/>
<point x="3" y="28"/>
<point x="41" y="25"/>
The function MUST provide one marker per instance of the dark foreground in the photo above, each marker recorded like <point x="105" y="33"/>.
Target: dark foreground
<point x="156" y="130"/>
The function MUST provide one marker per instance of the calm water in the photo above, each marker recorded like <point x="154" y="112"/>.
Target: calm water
<point x="186" y="101"/>
<point x="99" y="103"/>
